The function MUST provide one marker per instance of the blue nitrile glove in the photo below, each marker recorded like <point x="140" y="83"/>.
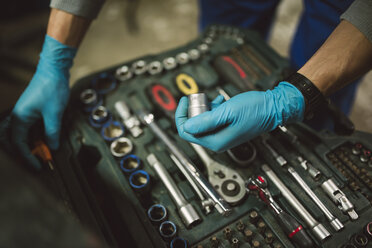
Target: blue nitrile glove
<point x="241" y="118"/>
<point x="44" y="98"/>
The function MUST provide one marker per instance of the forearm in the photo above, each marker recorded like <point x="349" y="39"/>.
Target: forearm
<point x="345" y="56"/>
<point x="67" y="28"/>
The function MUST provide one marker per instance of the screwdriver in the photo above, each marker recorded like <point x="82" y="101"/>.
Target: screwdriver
<point x="291" y="227"/>
<point x="42" y="151"/>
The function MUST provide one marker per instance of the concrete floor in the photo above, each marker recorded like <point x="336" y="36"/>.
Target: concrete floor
<point x="165" y="24"/>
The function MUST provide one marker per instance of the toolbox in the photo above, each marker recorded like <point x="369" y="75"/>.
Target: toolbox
<point x="116" y="191"/>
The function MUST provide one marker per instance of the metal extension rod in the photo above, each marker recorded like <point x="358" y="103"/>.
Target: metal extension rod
<point x="317" y="228"/>
<point x="335" y="223"/>
<point x="207" y="204"/>
<point x="185" y="209"/>
<point x="219" y="203"/>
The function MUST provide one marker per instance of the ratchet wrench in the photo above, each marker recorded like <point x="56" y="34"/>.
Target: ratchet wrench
<point x="225" y="180"/>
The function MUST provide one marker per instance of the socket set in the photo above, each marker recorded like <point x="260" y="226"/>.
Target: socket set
<point x="134" y="182"/>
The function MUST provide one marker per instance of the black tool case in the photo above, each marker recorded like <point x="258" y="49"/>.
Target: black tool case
<point x="98" y="191"/>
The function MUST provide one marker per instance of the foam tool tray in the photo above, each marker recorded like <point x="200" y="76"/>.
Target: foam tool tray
<point x="116" y="192"/>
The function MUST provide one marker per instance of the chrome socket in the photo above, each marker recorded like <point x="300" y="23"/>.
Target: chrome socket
<point x="130" y="163"/>
<point x="139" y="67"/>
<point x="169" y="63"/>
<point x="154" y="68"/>
<point x="313" y="172"/>
<point x="194" y="54"/>
<point x="130" y="121"/>
<point x="112" y="130"/>
<point x="139" y="180"/>
<point x="182" y="58"/>
<point x="168" y="230"/>
<point x="178" y="242"/>
<point x="123" y="73"/>
<point x="157" y="213"/>
<point x="198" y="104"/>
<point x="121" y="147"/>
<point x="203" y="48"/>
<point x="208" y="40"/>
<point x="89" y="97"/>
<point x="100" y="114"/>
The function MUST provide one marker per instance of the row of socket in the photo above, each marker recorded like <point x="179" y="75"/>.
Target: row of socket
<point x="140" y="67"/>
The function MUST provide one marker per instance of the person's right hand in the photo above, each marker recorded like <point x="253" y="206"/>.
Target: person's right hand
<point x="45" y="98"/>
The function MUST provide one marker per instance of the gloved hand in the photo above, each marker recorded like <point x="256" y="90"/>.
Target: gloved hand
<point x="45" y="98"/>
<point x="241" y="118"/>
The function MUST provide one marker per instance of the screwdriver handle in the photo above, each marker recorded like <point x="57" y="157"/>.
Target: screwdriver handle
<point x="42" y="151"/>
<point x="294" y="230"/>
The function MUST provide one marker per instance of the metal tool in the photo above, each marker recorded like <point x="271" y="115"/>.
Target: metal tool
<point x="219" y="203"/>
<point x="130" y="163"/>
<point x="186" y="84"/>
<point x="198" y="103"/>
<point x="187" y="212"/>
<point x="339" y="197"/>
<point x="112" y="130"/>
<point x="203" y="48"/>
<point x="121" y="147"/>
<point x="317" y="228"/>
<point x="157" y="213"/>
<point x="182" y="58"/>
<point x="130" y="121"/>
<point x="99" y="116"/>
<point x="313" y="172"/>
<point x="292" y="228"/>
<point x="90" y="99"/>
<point x="207" y="203"/>
<point x="194" y="54"/>
<point x="178" y="242"/>
<point x="139" y="180"/>
<point x="335" y="223"/>
<point x="123" y="73"/>
<point x="225" y="180"/>
<point x="279" y="158"/>
<point x="167" y="230"/>
<point x="169" y="63"/>
<point x="154" y="68"/>
<point x="139" y="67"/>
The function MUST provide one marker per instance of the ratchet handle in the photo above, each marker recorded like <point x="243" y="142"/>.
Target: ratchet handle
<point x="294" y="230"/>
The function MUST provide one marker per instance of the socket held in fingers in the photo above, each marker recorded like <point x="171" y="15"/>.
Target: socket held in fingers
<point x="198" y="103"/>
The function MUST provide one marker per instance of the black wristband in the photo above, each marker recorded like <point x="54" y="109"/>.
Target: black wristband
<point x="314" y="99"/>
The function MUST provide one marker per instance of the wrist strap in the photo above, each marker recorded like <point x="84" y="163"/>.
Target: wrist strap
<point x="314" y="99"/>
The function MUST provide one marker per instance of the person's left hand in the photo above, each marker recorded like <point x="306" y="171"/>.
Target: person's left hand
<point x="241" y="118"/>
